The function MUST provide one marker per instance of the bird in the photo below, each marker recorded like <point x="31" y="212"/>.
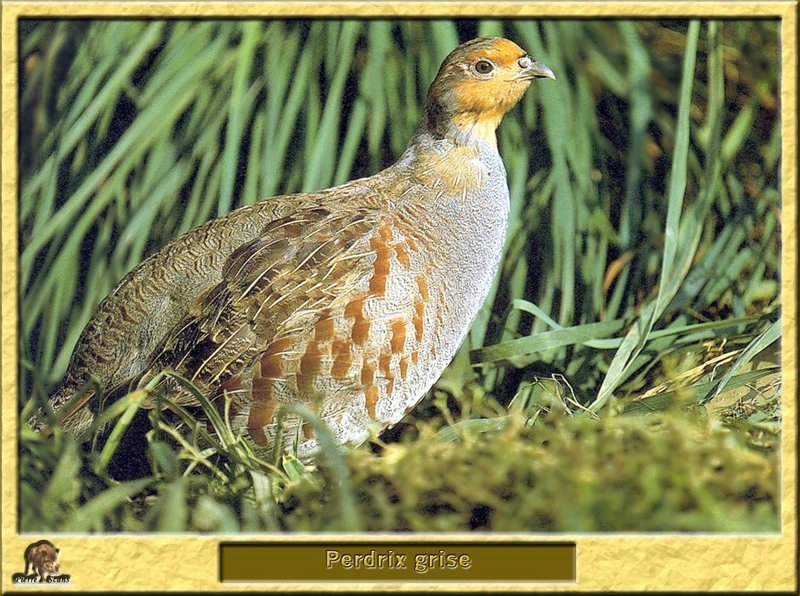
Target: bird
<point x="350" y="301"/>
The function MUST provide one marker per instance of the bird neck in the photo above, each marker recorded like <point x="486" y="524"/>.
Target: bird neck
<point x="461" y="128"/>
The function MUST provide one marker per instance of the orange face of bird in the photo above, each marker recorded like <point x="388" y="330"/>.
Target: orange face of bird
<point x="481" y="80"/>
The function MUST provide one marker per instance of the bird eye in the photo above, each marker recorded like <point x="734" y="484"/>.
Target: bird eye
<point x="483" y="67"/>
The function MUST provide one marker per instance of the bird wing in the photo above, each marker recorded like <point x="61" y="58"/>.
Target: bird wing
<point x="276" y="285"/>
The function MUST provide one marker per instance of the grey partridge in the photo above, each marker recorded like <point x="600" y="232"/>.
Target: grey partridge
<point x="350" y="300"/>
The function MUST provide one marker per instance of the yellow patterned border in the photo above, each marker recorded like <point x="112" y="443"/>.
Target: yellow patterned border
<point x="612" y="562"/>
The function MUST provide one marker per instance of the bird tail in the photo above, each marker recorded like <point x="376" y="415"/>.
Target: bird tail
<point x="69" y="407"/>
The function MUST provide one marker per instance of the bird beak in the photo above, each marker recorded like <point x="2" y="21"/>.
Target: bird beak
<point x="536" y="70"/>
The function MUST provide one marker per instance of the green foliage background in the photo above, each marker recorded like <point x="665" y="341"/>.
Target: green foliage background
<point x="624" y="374"/>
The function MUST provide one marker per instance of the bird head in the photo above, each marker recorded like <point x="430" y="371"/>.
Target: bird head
<point x="477" y="84"/>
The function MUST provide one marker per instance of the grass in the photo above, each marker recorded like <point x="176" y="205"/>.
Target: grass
<point x="624" y="373"/>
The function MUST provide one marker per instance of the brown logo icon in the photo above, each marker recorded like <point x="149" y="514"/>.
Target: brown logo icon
<point x="41" y="565"/>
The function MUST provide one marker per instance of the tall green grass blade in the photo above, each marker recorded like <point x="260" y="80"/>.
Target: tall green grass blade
<point x="238" y="111"/>
<point x="63" y="485"/>
<point x="321" y="160"/>
<point x="696" y="393"/>
<point x="640" y="94"/>
<point x="90" y="517"/>
<point x="349" y="516"/>
<point x="769" y="336"/>
<point x="670" y="274"/>
<point x="542" y="342"/>
<point x="131" y="406"/>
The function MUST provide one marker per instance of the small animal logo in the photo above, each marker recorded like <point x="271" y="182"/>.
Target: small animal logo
<point x="41" y="565"/>
<point x="41" y="558"/>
